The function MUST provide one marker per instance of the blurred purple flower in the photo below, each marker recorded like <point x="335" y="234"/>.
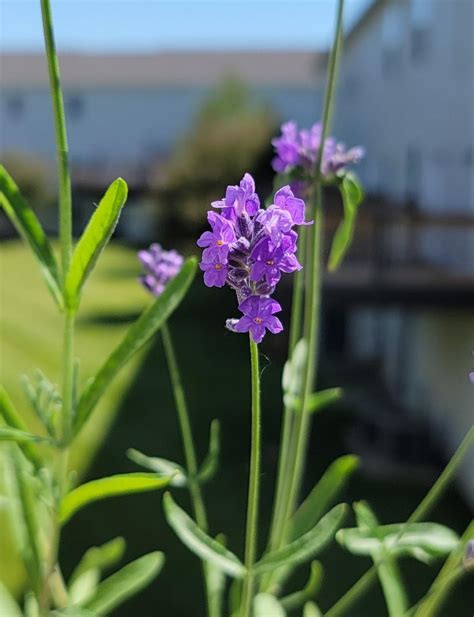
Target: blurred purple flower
<point x="300" y="148"/>
<point x="160" y="267"/>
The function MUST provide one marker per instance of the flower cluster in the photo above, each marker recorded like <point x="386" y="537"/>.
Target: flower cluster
<point x="248" y="248"/>
<point x="300" y="148"/>
<point x="160" y="267"/>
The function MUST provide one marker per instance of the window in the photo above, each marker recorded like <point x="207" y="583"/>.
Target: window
<point x="15" y="106"/>
<point x="421" y="21"/>
<point x="74" y="106"/>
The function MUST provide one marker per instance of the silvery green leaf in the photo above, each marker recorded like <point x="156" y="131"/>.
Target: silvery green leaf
<point x="307" y="545"/>
<point x="139" y="333"/>
<point x="292" y="378"/>
<point x="8" y="605"/>
<point x="103" y="488"/>
<point x="160" y="466"/>
<point x="266" y="605"/>
<point x="29" y="227"/>
<point x="128" y="581"/>
<point x="326" y="490"/>
<point x="83" y="587"/>
<point x="311" y="610"/>
<point x="211" y="462"/>
<point x="298" y="598"/>
<point x="352" y="197"/>
<point x="100" y="557"/>
<point x="93" y="241"/>
<point x="199" y="542"/>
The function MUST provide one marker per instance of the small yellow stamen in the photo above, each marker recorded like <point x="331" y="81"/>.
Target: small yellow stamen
<point x="258" y="320"/>
<point x="220" y="242"/>
<point x="217" y="266"/>
<point x="269" y="262"/>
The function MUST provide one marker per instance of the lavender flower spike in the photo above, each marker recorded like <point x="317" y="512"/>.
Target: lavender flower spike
<point x="248" y="249"/>
<point x="160" y="267"/>
<point x="258" y="315"/>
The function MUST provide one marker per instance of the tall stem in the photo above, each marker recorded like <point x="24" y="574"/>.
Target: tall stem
<point x="64" y="177"/>
<point x="189" y="451"/>
<point x="185" y="428"/>
<point x="254" y="486"/>
<point x="312" y="309"/>
<point x="65" y="236"/>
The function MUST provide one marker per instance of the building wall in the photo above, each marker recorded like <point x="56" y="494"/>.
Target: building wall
<point x="126" y="125"/>
<point x="407" y="93"/>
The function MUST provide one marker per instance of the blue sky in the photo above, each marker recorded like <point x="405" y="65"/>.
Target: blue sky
<point x="145" y="25"/>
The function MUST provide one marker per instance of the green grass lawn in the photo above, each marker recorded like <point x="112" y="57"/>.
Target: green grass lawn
<point x="215" y="371"/>
<point x="31" y="332"/>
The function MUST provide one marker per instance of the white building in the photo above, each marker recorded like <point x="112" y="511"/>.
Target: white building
<point x="124" y="110"/>
<point x="407" y="94"/>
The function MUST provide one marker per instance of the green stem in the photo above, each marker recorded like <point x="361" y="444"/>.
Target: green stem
<point x="288" y="414"/>
<point x="189" y="453"/>
<point x="185" y="428"/>
<point x="254" y="486"/>
<point x="433" y="495"/>
<point x="65" y="199"/>
<point x="312" y="310"/>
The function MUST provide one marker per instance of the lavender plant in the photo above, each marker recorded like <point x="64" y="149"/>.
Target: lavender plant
<point x="44" y="495"/>
<point x="248" y="248"/>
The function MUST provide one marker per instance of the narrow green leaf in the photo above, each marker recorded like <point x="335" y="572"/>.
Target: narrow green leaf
<point x="323" y="495"/>
<point x="312" y="587"/>
<point x="292" y="377"/>
<point x="352" y="196"/>
<point x="450" y="573"/>
<point x="20" y="437"/>
<point x="211" y="462"/>
<point x="423" y="541"/>
<point x="15" y="421"/>
<point x="387" y="567"/>
<point x="84" y="586"/>
<point x="266" y="605"/>
<point x="137" y="335"/>
<point x="95" y="490"/>
<point x="93" y="241"/>
<point x="125" y="583"/>
<point x="318" y="400"/>
<point x="307" y="545"/>
<point x="100" y="557"/>
<point x="311" y="610"/>
<point x="160" y="466"/>
<point x="29" y="227"/>
<point x="215" y="579"/>
<point x="8" y="605"/>
<point x="199" y="542"/>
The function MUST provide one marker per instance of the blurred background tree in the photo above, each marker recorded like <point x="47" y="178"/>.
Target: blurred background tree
<point x="231" y="135"/>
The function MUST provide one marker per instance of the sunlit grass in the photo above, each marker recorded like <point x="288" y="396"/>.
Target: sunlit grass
<point x="30" y="338"/>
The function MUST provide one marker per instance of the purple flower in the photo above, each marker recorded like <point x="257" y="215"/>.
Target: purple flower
<point x="239" y="199"/>
<point x="468" y="559"/>
<point x="215" y="273"/>
<point x="160" y="267"/>
<point x="270" y="260"/>
<point x="217" y="241"/>
<point x="301" y="149"/>
<point x="249" y="248"/>
<point x="258" y="316"/>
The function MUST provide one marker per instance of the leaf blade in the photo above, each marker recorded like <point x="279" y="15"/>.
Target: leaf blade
<point x="28" y="226"/>
<point x="118" y="587"/>
<point x="103" y="488"/>
<point x="199" y="542"/>
<point x="93" y="240"/>
<point x="307" y="545"/>
<point x="139" y="333"/>
<point x="352" y="196"/>
<point x="100" y="557"/>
